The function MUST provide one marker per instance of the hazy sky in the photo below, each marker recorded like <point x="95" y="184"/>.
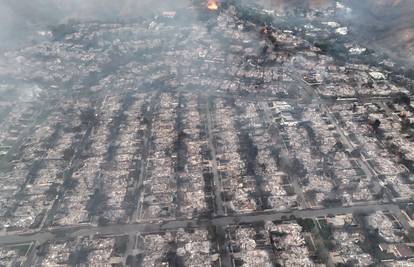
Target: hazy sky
<point x="19" y="17"/>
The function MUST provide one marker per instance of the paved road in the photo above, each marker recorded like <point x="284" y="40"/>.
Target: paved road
<point x="277" y="141"/>
<point x="160" y="226"/>
<point x="314" y="100"/>
<point x="138" y="184"/>
<point x="217" y="181"/>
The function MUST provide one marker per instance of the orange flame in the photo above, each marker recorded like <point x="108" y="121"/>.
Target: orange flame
<point x="212" y="5"/>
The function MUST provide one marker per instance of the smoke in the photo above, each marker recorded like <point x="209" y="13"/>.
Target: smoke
<point x="386" y="25"/>
<point x="387" y="22"/>
<point x="20" y="19"/>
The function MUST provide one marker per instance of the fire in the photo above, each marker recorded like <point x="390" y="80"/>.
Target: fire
<point x="212" y="5"/>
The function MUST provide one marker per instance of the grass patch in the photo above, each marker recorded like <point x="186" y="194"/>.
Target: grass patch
<point x="21" y="250"/>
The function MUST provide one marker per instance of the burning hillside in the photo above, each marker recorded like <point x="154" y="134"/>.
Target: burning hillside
<point x="213" y="5"/>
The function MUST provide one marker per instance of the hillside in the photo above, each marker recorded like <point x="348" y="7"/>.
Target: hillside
<point x="387" y="24"/>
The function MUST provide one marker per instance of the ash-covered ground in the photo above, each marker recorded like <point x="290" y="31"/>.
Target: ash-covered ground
<point x="242" y="136"/>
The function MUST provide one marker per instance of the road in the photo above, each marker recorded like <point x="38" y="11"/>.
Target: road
<point x="362" y="162"/>
<point x="277" y="142"/>
<point x="304" y="101"/>
<point x="161" y="226"/>
<point x="218" y="202"/>
<point x="138" y="184"/>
